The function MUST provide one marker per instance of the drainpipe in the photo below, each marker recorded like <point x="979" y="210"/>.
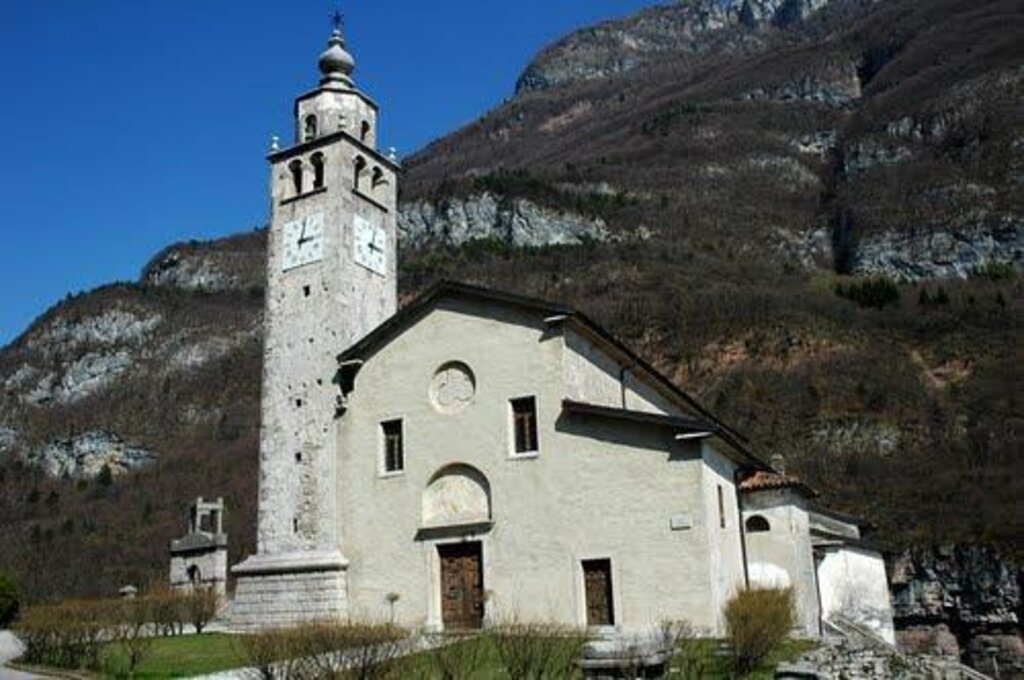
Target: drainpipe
<point x="815" y="559"/>
<point x="622" y="383"/>
<point x="742" y="527"/>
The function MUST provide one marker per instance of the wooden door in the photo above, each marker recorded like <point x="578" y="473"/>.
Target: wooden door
<point x="597" y="581"/>
<point x="462" y="585"/>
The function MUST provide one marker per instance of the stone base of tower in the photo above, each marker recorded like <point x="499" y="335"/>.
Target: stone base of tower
<point x="279" y="591"/>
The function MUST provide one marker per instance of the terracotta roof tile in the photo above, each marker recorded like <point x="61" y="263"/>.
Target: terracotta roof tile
<point x="762" y="480"/>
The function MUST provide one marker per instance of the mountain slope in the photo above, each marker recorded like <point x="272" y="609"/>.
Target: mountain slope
<point x="698" y="203"/>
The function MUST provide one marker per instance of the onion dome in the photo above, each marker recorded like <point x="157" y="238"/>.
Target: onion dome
<point x="336" y="64"/>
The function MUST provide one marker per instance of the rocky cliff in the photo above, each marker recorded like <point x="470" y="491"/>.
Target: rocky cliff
<point x="516" y="222"/>
<point x="703" y="204"/>
<point x="961" y="601"/>
<point x="698" y="27"/>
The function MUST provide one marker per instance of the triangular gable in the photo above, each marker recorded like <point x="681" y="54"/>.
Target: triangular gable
<point x="552" y="313"/>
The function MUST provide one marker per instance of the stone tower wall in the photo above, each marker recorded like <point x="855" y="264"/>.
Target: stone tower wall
<point x="314" y="312"/>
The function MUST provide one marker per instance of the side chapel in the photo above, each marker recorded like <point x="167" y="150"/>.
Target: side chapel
<point x="478" y="455"/>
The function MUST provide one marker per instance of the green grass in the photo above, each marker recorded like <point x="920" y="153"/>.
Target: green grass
<point x="422" y="666"/>
<point x="710" y="659"/>
<point x="183" y="656"/>
<point x="703" y="658"/>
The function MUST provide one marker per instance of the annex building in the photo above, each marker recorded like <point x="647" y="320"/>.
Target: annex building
<point x="478" y="456"/>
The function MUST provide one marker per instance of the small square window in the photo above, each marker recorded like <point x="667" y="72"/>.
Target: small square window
<point x="524" y="424"/>
<point x="394" y="453"/>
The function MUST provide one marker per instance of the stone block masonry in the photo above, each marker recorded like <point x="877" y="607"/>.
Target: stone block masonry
<point x="281" y="595"/>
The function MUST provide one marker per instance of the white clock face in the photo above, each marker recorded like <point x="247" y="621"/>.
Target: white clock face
<point x="370" y="246"/>
<point x="303" y="241"/>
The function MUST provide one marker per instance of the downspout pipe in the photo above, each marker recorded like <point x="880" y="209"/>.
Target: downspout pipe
<point x="742" y="526"/>
<point x="623" y="372"/>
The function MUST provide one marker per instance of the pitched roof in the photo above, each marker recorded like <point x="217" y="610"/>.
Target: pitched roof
<point x="686" y="425"/>
<point x="198" y="541"/>
<point x="764" y="480"/>
<point x="418" y="308"/>
<point x="676" y="422"/>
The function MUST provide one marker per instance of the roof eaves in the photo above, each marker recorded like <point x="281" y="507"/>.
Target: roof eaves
<point x="663" y="382"/>
<point x="661" y="419"/>
<point x="413" y="310"/>
<point x="664" y="420"/>
<point x="859" y="522"/>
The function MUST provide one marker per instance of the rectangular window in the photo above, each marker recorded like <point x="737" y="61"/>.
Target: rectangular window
<point x="721" y="507"/>
<point x="394" y="454"/>
<point x="597" y="587"/>
<point x="524" y="424"/>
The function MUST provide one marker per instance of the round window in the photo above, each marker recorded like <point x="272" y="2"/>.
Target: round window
<point x="452" y="387"/>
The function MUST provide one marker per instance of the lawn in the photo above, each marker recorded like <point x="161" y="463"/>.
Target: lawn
<point x="705" y="658"/>
<point x="698" y="660"/>
<point x="182" y="656"/>
<point x="189" y="655"/>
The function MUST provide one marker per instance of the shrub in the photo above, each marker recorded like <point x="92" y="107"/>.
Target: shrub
<point x="105" y="477"/>
<point x="262" y="651"/>
<point x="324" y="650"/>
<point x="68" y="634"/>
<point x="876" y="292"/>
<point x="691" y="656"/>
<point x="758" y="620"/>
<point x="363" y="651"/>
<point x="538" y="650"/>
<point x="201" y="605"/>
<point x="9" y="600"/>
<point x="997" y="271"/>
<point x="169" y="611"/>
<point x="459" y="657"/>
<point x="132" y="631"/>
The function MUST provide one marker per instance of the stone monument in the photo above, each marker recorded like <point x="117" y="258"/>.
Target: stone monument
<point x="200" y="558"/>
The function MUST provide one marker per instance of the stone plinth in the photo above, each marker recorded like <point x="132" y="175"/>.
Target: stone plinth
<point x="273" y="591"/>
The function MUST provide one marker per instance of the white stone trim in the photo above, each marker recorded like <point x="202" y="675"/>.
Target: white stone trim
<point x="290" y="563"/>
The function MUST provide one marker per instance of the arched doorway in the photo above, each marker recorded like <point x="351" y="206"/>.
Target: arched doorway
<point x="456" y="511"/>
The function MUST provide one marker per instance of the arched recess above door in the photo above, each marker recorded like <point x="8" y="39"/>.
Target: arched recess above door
<point x="458" y="495"/>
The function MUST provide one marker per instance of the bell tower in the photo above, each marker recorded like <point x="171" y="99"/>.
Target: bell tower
<point x="331" y="278"/>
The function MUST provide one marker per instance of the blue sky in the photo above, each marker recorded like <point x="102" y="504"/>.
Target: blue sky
<point x="131" y="124"/>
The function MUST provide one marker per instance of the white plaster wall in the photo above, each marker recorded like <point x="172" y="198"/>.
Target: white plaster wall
<point x="786" y="547"/>
<point x="725" y="556"/>
<point x="597" y="489"/>
<point x="592" y="376"/>
<point x="853" y="583"/>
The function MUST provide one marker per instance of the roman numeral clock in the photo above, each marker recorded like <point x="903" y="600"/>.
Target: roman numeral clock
<point x="303" y="241"/>
<point x="369" y="246"/>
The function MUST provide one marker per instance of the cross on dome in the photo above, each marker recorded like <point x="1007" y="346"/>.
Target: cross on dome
<point x="336" y="63"/>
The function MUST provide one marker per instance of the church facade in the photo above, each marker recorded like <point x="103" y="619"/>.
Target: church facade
<point x="480" y="457"/>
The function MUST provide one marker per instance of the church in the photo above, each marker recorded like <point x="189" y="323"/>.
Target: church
<point x="478" y="456"/>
